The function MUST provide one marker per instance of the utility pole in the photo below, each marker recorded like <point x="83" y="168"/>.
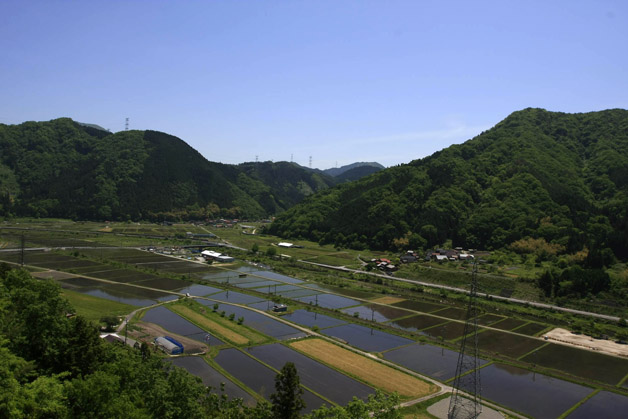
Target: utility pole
<point x="22" y="245"/>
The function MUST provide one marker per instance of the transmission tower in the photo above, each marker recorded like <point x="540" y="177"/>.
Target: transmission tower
<point x="126" y="124"/>
<point x="310" y="162"/>
<point x="468" y="370"/>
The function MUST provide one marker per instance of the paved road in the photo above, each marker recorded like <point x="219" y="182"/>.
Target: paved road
<point x="462" y="290"/>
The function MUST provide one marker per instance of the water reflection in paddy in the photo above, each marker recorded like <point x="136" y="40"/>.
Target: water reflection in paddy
<point x="312" y="318"/>
<point x="258" y="377"/>
<point x="276" y="276"/>
<point x="233" y="297"/>
<point x="197" y="366"/>
<point x="533" y="394"/>
<point x="437" y="362"/>
<point x="376" y="312"/>
<point x="199" y="290"/>
<point x="176" y="324"/>
<point x="605" y="405"/>
<point x="328" y="301"/>
<point x="301" y="292"/>
<point x="324" y="380"/>
<point x="580" y="362"/>
<point x="264" y="324"/>
<point x="418" y="322"/>
<point x="447" y="331"/>
<point x="259" y="284"/>
<point x="368" y="339"/>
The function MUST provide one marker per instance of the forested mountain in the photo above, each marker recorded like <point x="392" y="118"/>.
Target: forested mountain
<point x="554" y="178"/>
<point x="367" y="168"/>
<point x="356" y="173"/>
<point x="65" y="169"/>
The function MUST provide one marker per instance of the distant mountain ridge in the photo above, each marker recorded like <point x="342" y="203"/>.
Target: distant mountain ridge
<point x="66" y="169"/>
<point x="337" y="171"/>
<point x="549" y="176"/>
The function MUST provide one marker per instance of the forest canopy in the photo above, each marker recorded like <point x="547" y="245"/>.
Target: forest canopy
<point x="536" y="176"/>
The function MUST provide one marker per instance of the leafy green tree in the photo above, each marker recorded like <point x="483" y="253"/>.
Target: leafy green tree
<point x="287" y="400"/>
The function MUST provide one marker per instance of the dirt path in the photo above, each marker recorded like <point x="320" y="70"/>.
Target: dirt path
<point x="149" y="331"/>
<point x="587" y="342"/>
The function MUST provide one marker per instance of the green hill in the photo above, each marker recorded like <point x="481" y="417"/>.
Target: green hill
<point x="559" y="178"/>
<point x="65" y="169"/>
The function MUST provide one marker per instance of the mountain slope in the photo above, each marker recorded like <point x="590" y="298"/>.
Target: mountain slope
<point x="64" y="169"/>
<point x="559" y="177"/>
<point x="338" y="171"/>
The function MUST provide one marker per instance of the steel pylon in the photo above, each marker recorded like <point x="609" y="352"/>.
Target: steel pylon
<point x="467" y="378"/>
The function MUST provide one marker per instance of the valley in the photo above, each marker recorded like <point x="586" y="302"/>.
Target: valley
<point x="333" y="315"/>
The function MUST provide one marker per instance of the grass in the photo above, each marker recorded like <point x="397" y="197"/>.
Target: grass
<point x="93" y="308"/>
<point x="237" y="334"/>
<point x="419" y="410"/>
<point x="368" y="370"/>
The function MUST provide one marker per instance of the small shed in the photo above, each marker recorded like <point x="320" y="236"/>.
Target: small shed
<point x="169" y="345"/>
<point x="278" y="308"/>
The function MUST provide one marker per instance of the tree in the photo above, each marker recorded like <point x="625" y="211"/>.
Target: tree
<point x="287" y="401"/>
<point x="255" y="248"/>
<point x="271" y="251"/>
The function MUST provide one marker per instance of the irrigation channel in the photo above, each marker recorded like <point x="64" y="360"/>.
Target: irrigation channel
<point x="392" y="331"/>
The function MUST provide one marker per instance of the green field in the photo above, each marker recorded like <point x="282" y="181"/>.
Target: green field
<point x="93" y="308"/>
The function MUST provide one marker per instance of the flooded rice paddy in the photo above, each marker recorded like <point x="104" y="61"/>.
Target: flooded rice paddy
<point x="531" y="329"/>
<point x="233" y="297"/>
<point x="587" y="364"/>
<point x="197" y="366"/>
<point x="604" y="404"/>
<point x="176" y="324"/>
<point x="508" y="324"/>
<point x="451" y="313"/>
<point x="328" y="301"/>
<point x="417" y="322"/>
<point x="377" y="312"/>
<point x="365" y="338"/>
<point x="421" y="306"/>
<point x="311" y="319"/>
<point x="507" y="344"/>
<point x="433" y="361"/>
<point x="257" y="376"/>
<point x="533" y="394"/>
<point x="260" y="322"/>
<point x="325" y="381"/>
<point x="445" y="331"/>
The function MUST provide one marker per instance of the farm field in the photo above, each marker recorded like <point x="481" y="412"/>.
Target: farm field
<point x="337" y="297"/>
<point x="258" y="377"/>
<point x="369" y="371"/>
<point x="197" y="365"/>
<point x="94" y="308"/>
<point x="327" y="382"/>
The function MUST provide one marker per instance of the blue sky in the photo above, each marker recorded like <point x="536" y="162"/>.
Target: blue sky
<point x="341" y="81"/>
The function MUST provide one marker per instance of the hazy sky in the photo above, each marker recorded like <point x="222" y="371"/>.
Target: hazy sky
<point x="341" y="81"/>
